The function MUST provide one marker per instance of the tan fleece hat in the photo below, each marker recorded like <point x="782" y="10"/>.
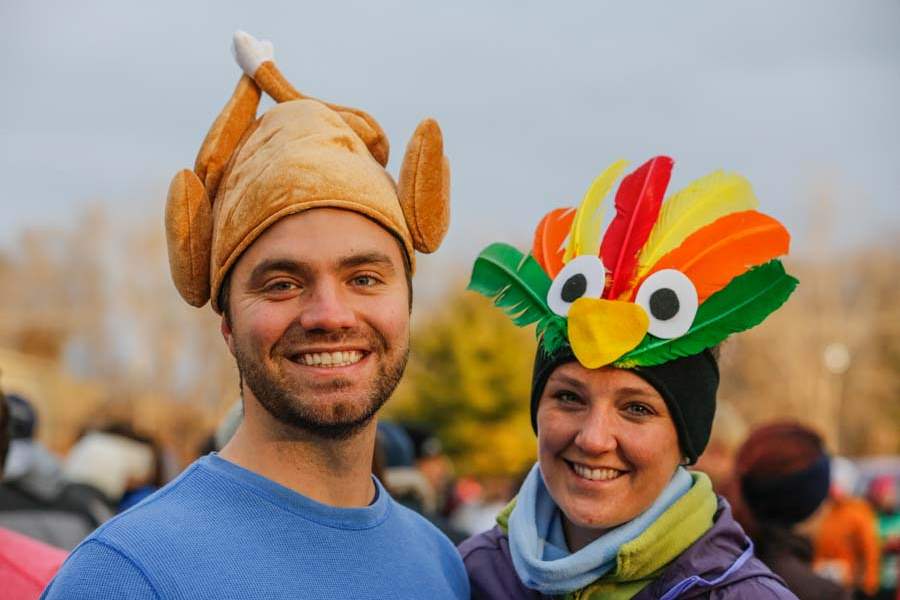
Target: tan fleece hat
<point x="300" y="154"/>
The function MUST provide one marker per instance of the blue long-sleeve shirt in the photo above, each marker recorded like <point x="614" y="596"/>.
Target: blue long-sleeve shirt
<point x="221" y="531"/>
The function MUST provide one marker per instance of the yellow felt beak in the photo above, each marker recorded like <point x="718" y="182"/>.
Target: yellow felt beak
<point x="601" y="331"/>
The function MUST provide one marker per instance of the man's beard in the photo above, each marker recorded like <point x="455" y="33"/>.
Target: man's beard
<point x="297" y="408"/>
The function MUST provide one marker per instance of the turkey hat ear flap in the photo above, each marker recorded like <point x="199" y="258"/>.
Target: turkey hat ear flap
<point x="189" y="236"/>
<point x="225" y="134"/>
<point x="424" y="187"/>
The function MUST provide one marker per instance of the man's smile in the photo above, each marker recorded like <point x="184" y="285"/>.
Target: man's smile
<point x="329" y="359"/>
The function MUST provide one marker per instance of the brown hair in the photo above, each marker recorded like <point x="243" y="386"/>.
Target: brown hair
<point x="778" y="449"/>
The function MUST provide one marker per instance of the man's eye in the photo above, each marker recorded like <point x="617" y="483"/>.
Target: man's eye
<point x="364" y="281"/>
<point x="281" y="286"/>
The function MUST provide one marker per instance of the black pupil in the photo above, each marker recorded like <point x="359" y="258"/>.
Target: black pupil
<point x="574" y="288"/>
<point x="664" y="304"/>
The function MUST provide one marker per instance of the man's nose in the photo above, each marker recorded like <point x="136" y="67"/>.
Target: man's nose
<point x="326" y="308"/>
<point x="597" y="434"/>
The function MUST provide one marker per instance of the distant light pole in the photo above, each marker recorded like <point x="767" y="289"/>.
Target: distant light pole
<point x="836" y="358"/>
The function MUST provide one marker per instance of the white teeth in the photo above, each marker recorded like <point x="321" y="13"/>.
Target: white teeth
<point x="331" y="359"/>
<point x="596" y="474"/>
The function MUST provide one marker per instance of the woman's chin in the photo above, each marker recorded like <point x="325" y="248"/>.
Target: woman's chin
<point x="590" y="520"/>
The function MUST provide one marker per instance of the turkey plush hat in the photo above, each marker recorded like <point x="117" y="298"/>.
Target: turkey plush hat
<point x="667" y="281"/>
<point x="301" y="154"/>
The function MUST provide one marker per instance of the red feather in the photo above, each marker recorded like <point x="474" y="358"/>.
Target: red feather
<point x="549" y="237"/>
<point x="638" y="200"/>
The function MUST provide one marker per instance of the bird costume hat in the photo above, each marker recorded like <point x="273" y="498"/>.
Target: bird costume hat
<point x="666" y="280"/>
<point x="302" y="153"/>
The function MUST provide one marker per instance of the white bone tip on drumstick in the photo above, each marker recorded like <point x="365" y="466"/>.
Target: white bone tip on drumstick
<point x="250" y="52"/>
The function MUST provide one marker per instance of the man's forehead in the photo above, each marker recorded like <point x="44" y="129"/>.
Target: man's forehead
<point x="311" y="263"/>
<point x="324" y="235"/>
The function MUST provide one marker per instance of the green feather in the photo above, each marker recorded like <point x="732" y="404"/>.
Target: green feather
<point x="552" y="332"/>
<point x="519" y="286"/>
<point x="743" y="304"/>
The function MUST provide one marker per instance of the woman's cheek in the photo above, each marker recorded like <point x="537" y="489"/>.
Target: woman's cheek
<point x="555" y="431"/>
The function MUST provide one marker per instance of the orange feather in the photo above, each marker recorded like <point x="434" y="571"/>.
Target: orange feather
<point x="549" y="239"/>
<point x="715" y="254"/>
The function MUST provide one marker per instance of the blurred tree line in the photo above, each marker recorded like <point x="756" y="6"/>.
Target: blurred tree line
<point x="91" y="308"/>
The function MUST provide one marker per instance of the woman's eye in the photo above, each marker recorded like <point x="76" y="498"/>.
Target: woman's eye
<point x="670" y="301"/>
<point x="567" y="397"/>
<point x="582" y="277"/>
<point x="638" y="409"/>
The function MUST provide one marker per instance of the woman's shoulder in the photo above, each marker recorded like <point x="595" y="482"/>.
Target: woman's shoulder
<point x="720" y="564"/>
<point x="487" y="542"/>
<point x="489" y="566"/>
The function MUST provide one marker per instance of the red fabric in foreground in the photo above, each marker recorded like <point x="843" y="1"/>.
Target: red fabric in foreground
<point x="26" y="565"/>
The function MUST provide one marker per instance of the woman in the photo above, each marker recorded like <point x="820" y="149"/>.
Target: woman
<point x="623" y="391"/>
<point x="783" y="474"/>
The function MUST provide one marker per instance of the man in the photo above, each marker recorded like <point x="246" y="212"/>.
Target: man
<point x="306" y="251"/>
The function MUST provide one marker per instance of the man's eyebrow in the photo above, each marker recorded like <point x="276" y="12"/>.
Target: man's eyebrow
<point x="278" y="264"/>
<point x="366" y="258"/>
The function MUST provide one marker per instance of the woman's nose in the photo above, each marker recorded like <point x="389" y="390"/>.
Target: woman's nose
<point x="597" y="434"/>
<point x="326" y="308"/>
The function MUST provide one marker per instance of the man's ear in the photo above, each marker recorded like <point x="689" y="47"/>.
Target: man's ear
<point x="225" y="328"/>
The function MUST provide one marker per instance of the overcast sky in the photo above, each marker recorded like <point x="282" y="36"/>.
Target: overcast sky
<point x="105" y="101"/>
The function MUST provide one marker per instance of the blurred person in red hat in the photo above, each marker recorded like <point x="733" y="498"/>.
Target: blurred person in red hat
<point x="883" y="497"/>
<point x="26" y="565"/>
<point x="783" y="475"/>
<point x="846" y="545"/>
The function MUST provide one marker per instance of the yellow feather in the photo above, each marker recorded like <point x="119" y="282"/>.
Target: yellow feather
<point x="585" y="233"/>
<point x="700" y="203"/>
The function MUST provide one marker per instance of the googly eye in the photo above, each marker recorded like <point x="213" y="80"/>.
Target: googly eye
<point x="582" y="277"/>
<point x="670" y="300"/>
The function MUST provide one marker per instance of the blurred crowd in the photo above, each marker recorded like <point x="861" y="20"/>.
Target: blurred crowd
<point x="827" y="525"/>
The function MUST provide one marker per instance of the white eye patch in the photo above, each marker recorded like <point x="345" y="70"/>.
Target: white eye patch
<point x="670" y="300"/>
<point x="582" y="277"/>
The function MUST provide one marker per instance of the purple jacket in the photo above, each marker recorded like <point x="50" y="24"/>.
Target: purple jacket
<point x="696" y="573"/>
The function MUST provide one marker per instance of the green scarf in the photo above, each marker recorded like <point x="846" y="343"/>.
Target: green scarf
<point x="641" y="560"/>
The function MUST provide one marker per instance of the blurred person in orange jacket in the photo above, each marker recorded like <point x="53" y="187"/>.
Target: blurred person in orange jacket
<point x="26" y="565"/>
<point x="846" y="546"/>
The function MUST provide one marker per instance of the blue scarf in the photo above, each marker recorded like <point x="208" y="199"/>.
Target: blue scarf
<point x="538" y="545"/>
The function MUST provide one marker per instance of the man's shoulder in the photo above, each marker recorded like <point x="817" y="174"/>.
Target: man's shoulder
<point x="99" y="569"/>
<point x="169" y="508"/>
<point x="130" y="549"/>
<point x="180" y="516"/>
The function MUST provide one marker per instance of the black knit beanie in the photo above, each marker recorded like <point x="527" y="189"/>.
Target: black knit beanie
<point x="688" y="385"/>
<point x="790" y="498"/>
